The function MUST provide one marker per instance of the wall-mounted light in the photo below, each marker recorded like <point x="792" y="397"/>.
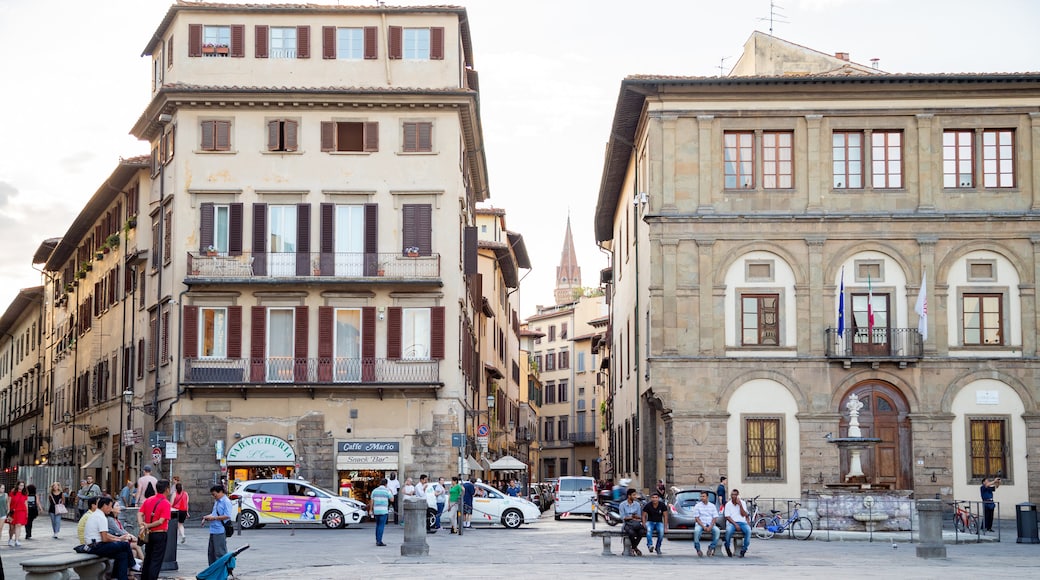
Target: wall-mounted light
<point x="491" y="401"/>
<point x="382" y="312"/>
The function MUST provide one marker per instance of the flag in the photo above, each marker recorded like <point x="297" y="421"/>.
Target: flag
<point x="921" y="308"/>
<point x="870" y="309"/>
<point x="841" y="304"/>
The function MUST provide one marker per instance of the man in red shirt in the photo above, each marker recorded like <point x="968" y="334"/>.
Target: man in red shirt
<point x="155" y="515"/>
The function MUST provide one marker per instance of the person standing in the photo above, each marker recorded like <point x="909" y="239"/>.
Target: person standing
<point x="655" y="519"/>
<point x="127" y="495"/>
<point x="441" y="494"/>
<point x="146" y="485"/>
<point x="736" y="517"/>
<point x="988" y="505"/>
<point x="180" y="505"/>
<point x="469" y="489"/>
<point x="5" y="501"/>
<point x="56" y="497"/>
<point x="704" y="514"/>
<point x="101" y="543"/>
<point x="720" y="492"/>
<point x="19" y="513"/>
<point x="454" y="496"/>
<point x="393" y="485"/>
<point x="379" y="508"/>
<point x="661" y="490"/>
<point x="221" y="513"/>
<point x="33" y="508"/>
<point x="424" y="491"/>
<point x="631" y="512"/>
<point x="154" y="515"/>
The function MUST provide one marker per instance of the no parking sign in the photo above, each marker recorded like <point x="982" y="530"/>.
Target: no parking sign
<point x="156" y="455"/>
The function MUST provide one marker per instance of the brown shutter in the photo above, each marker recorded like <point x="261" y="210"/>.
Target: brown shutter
<point x="223" y="135"/>
<point x="425" y="230"/>
<point x="371" y="43"/>
<point x="328" y="42"/>
<point x="303" y="239"/>
<point x="411" y="141"/>
<point x="371" y="239"/>
<point x="234" y="336"/>
<point x="469" y="250"/>
<point x="300" y="347"/>
<point x="194" y="40"/>
<point x="208" y="131"/>
<point x="169" y="51"/>
<point x="261" y="41"/>
<point x="257" y="343"/>
<point x="291" y="131"/>
<point x="437" y="333"/>
<point x="437" y="43"/>
<point x="368" y="344"/>
<point x="273" y="132"/>
<point x="372" y="136"/>
<point x="235" y="229"/>
<point x="325" y="338"/>
<point x="393" y="333"/>
<point x="303" y="42"/>
<point x="327" y="238"/>
<point x="396" y="50"/>
<point x="238" y="40"/>
<point x="408" y="225"/>
<point x="328" y="136"/>
<point x="205" y="226"/>
<point x="425" y="136"/>
<point x="260" y="239"/>
<point x="190" y="332"/>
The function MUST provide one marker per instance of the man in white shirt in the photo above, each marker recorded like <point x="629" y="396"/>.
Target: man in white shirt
<point x="424" y="491"/>
<point x="102" y="543"/>
<point x="736" y="516"/>
<point x="394" y="486"/>
<point x="705" y="513"/>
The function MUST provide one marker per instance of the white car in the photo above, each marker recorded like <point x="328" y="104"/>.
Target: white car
<point x="496" y="507"/>
<point x="272" y="501"/>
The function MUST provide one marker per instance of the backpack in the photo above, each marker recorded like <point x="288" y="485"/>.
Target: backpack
<point x="150" y="490"/>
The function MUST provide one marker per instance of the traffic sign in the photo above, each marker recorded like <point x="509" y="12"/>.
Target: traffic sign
<point x="171" y="450"/>
<point x="458" y="439"/>
<point x="483" y="430"/>
<point x="156" y="455"/>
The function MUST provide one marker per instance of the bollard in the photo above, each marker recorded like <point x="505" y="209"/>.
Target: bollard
<point x="170" y="557"/>
<point x="929" y="514"/>
<point x="414" y="527"/>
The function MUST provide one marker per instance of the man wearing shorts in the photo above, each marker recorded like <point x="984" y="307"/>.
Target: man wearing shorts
<point x="469" y="489"/>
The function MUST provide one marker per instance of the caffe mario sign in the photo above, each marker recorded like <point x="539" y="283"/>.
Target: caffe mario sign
<point x="261" y="450"/>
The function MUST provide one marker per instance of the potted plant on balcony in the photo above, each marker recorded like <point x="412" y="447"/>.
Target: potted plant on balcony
<point x="316" y="267"/>
<point x="211" y="251"/>
<point x="130" y="224"/>
<point x="100" y="254"/>
<point x="209" y="48"/>
<point x="412" y="251"/>
<point x="113" y="241"/>
<point x="222" y="49"/>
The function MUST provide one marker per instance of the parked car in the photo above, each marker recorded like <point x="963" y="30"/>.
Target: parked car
<point x="259" y="502"/>
<point x="681" y="503"/>
<point x="575" y="495"/>
<point x="493" y="506"/>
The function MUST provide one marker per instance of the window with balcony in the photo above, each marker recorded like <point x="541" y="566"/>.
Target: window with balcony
<point x="220" y="229"/>
<point x="415" y="333"/>
<point x="417" y="231"/>
<point x="350" y="136"/>
<point x="348" y="240"/>
<point x="280" y="348"/>
<point x="347" y="345"/>
<point x="763" y="448"/>
<point x="213" y="333"/>
<point x="983" y="319"/>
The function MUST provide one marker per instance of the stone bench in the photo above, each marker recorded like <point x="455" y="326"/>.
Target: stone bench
<point x="607" y="535"/>
<point x="57" y="567"/>
<point x="687" y="534"/>
<point x="682" y="534"/>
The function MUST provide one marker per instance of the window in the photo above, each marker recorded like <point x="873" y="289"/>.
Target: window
<point x="153" y="334"/>
<point x="282" y="135"/>
<point x="998" y="158"/>
<point x="347" y="338"/>
<point x="547" y="433"/>
<point x="762" y="457"/>
<point x="739" y="160"/>
<point x="562" y="392"/>
<point x="562" y="432"/>
<point x="416" y="43"/>
<point x="213" y="332"/>
<point x="563" y="330"/>
<point x="415" y="333"/>
<point x="552" y="333"/>
<point x="168" y="237"/>
<point x="215" y="136"/>
<point x="350" y="43"/>
<point x="777" y="160"/>
<point x="988" y="447"/>
<point x="847" y="156"/>
<point x="353" y="136"/>
<point x="418" y="228"/>
<point x="216" y="40"/>
<point x="538" y="362"/>
<point x="283" y="42"/>
<point x="581" y="362"/>
<point x="565" y="359"/>
<point x="983" y="319"/>
<point x="759" y="315"/>
<point x="418" y="137"/>
<point x="280" y="347"/>
<point x="550" y="361"/>
<point x="886" y="159"/>
<point x="221" y="227"/>
<point x="550" y="392"/>
<point x="958" y="159"/>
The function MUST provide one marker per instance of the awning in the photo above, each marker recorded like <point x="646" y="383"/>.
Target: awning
<point x="473" y="464"/>
<point x="493" y="372"/>
<point x="509" y="463"/>
<point x="95" y="462"/>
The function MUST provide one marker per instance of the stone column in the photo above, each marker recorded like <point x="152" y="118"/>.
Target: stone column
<point x="925" y="154"/>
<point x="1032" y="420"/>
<point x="668" y="153"/>
<point x="414" y="528"/>
<point x="705" y="267"/>
<point x="810" y="300"/>
<point x="926" y="246"/>
<point x="1034" y="312"/>
<point x="815" y="180"/>
<point x="669" y="307"/>
<point x="704" y="165"/>
<point x="1034" y="120"/>
<point x="929" y="514"/>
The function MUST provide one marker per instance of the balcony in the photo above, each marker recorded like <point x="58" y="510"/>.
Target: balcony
<point x="582" y="438"/>
<point x="310" y="372"/>
<point x="311" y="266"/>
<point x="900" y="345"/>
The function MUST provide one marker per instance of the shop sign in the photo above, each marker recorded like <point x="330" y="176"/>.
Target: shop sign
<point x="261" y="450"/>
<point x="373" y="461"/>
<point x="368" y="447"/>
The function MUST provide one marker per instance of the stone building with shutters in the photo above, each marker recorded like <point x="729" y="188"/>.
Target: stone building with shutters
<point x="805" y="229"/>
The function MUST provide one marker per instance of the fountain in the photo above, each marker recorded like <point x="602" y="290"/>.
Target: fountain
<point x="855" y="443"/>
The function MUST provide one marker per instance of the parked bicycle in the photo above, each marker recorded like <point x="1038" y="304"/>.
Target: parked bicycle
<point x="797" y="526"/>
<point x="964" y="520"/>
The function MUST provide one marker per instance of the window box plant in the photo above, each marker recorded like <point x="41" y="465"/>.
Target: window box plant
<point x="130" y="224"/>
<point x="222" y="49"/>
<point x="211" y="251"/>
<point x="412" y="251"/>
<point x="208" y="48"/>
<point x="100" y="254"/>
<point x="113" y="241"/>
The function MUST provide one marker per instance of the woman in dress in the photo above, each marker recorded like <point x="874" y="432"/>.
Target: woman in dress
<point x="33" y="503"/>
<point x="180" y="506"/>
<point x="18" y="504"/>
<point x="57" y="496"/>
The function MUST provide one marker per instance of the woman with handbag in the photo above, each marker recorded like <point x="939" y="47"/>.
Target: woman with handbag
<point x="57" y="508"/>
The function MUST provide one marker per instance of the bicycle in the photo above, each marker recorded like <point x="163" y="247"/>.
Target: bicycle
<point x="797" y="526"/>
<point x="964" y="520"/>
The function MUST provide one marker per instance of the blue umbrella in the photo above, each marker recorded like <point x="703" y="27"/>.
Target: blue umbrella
<point x="223" y="567"/>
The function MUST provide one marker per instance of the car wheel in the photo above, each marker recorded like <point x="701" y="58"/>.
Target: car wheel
<point x="247" y="520"/>
<point x="332" y="519"/>
<point x="557" y="516"/>
<point x="512" y="519"/>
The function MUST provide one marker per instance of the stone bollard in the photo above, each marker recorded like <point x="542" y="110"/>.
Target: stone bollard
<point x="414" y="527"/>
<point x="929" y="514"/>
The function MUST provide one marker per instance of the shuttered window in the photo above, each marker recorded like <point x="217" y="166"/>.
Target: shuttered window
<point x="350" y="43"/>
<point x="282" y="135"/>
<point x="763" y="447"/>
<point x="418" y="137"/>
<point x="988" y="448"/>
<point x="215" y="41"/>
<point x="356" y="136"/>
<point x="415" y="333"/>
<point x="215" y="135"/>
<point x="417" y="231"/>
<point x="220" y="228"/>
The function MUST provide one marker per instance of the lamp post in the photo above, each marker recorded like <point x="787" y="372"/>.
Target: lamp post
<point x="67" y="419"/>
<point x="491" y="423"/>
<point x="32" y="442"/>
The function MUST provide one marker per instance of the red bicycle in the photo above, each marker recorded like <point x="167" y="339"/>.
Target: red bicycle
<point x="964" y="520"/>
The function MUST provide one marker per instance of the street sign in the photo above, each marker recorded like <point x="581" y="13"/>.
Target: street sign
<point x="458" y="439"/>
<point x="171" y="450"/>
<point x="156" y="455"/>
<point x="155" y="438"/>
<point x="483" y="430"/>
<point x="128" y="438"/>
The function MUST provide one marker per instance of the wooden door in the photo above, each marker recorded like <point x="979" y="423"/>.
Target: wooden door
<point x="885" y="415"/>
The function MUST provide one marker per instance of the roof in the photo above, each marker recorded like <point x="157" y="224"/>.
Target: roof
<point x="527" y="333"/>
<point x="45" y="249"/>
<point x="601" y="321"/>
<point x="22" y="302"/>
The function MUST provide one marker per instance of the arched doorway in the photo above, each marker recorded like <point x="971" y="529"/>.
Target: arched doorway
<point x="885" y="415"/>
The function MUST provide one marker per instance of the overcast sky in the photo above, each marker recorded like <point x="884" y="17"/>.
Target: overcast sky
<point x="72" y="82"/>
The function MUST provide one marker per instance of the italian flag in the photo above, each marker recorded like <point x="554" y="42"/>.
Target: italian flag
<point x="870" y="309"/>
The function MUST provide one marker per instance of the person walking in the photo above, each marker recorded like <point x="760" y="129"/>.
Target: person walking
<point x="655" y="520"/>
<point x="146" y="485"/>
<point x="180" y="505"/>
<point x="720" y="492"/>
<point x="154" y="516"/>
<point x="101" y="543"/>
<point x="379" y="508"/>
<point x="988" y="505"/>
<point x="33" y="504"/>
<point x="216" y="518"/>
<point x="19" y="513"/>
<point x="393" y="485"/>
<point x="704" y="514"/>
<point x="56" y="497"/>
<point x="736" y="517"/>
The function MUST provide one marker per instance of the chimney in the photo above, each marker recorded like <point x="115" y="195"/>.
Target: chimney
<point x="842" y="55"/>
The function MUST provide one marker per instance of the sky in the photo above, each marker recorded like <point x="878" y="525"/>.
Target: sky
<point x="72" y="83"/>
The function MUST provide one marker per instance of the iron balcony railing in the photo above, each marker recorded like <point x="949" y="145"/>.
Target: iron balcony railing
<point x="322" y="370"/>
<point x="582" y="437"/>
<point x="890" y="343"/>
<point x="292" y="265"/>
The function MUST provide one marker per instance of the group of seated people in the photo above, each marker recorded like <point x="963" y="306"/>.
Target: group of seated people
<point x="101" y="529"/>
<point x="652" y="518"/>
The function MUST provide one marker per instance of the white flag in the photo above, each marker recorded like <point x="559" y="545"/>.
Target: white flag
<point x="921" y="308"/>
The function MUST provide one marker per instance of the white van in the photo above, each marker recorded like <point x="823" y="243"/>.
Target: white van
<point x="575" y="495"/>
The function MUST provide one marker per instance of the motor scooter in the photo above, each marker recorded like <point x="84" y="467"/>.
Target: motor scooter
<point x="607" y="509"/>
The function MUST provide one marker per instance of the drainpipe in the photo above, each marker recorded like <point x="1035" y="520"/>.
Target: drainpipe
<point x="163" y="120"/>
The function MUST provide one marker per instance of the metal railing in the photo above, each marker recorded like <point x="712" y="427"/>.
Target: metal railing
<point x="293" y="265"/>
<point x="321" y="370"/>
<point x="890" y="343"/>
<point x="582" y="437"/>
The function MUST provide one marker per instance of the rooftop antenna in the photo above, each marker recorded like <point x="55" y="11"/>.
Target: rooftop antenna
<point x="775" y="16"/>
<point x="722" y="66"/>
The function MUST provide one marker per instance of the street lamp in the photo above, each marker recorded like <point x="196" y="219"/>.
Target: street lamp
<point x="67" y="419"/>
<point x="32" y="439"/>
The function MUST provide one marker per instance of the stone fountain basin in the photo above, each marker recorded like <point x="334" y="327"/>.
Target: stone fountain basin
<point x="869" y="517"/>
<point x="852" y="440"/>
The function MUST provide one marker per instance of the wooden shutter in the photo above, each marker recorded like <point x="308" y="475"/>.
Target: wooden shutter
<point x="328" y="42"/>
<point x="273" y="135"/>
<point x="238" y="40"/>
<point x="257" y="343"/>
<point x="437" y="43"/>
<point x="418" y="227"/>
<point x="194" y="40"/>
<point x="303" y="42"/>
<point x="292" y="129"/>
<point x="437" y="333"/>
<point x="261" y="40"/>
<point x="425" y="137"/>
<point x="393" y="333"/>
<point x="190" y="332"/>
<point x="368" y="344"/>
<point x="300" y="346"/>
<point x="169" y="51"/>
<point x="234" y="332"/>
<point x="208" y="131"/>
<point x="396" y="48"/>
<point x="371" y="136"/>
<point x="325" y="339"/>
<point x="260" y="239"/>
<point x="371" y="43"/>
<point x="410" y="142"/>
<point x="303" y="239"/>
<point x="469" y="250"/>
<point x="408" y="226"/>
<point x="371" y="239"/>
<point x="327" y="238"/>
<point x="205" y="226"/>
<point x="235" y="229"/>
<point x="328" y="136"/>
<point x="222" y="135"/>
